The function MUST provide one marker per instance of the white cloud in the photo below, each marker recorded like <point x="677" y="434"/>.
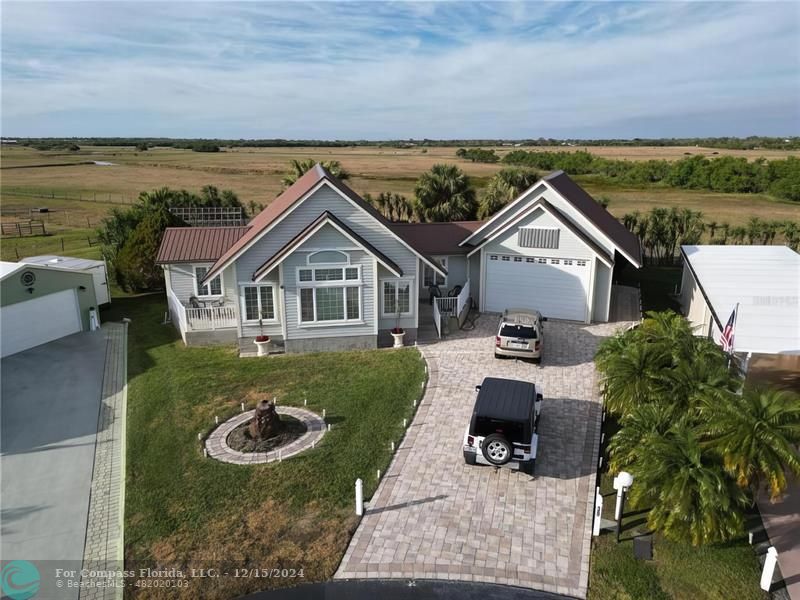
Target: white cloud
<point x="379" y="70"/>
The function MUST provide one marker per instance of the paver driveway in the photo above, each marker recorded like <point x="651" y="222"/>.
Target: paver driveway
<point x="433" y="517"/>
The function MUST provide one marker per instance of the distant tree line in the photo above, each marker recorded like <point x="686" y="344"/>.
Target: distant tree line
<point x="663" y="231"/>
<point x="478" y="155"/>
<point x="780" y="178"/>
<point x="730" y="143"/>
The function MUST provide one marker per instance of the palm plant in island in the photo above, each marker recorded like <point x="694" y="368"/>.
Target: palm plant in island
<point x="699" y="443"/>
<point x="692" y="498"/>
<point x="757" y="433"/>
<point x="444" y="194"/>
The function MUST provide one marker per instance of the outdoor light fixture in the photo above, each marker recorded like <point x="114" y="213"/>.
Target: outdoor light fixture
<point x="622" y="482"/>
<point x="30" y="290"/>
<point x="82" y="288"/>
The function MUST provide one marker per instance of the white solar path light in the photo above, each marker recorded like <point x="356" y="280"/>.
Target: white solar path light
<point x="622" y="483"/>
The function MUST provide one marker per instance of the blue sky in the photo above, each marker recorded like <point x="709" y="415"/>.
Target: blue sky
<point x="379" y="70"/>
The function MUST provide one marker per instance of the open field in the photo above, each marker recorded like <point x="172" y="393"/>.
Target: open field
<point x="184" y="510"/>
<point x="255" y="175"/>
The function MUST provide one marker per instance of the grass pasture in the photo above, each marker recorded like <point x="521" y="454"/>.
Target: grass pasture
<point x="183" y="510"/>
<point x="30" y="178"/>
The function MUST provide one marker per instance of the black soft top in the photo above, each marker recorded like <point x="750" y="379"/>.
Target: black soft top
<point x="505" y="399"/>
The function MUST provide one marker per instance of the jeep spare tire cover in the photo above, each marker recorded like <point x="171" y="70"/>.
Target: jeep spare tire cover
<point x="496" y="449"/>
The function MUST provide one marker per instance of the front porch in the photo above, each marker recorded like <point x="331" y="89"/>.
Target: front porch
<point x="221" y="318"/>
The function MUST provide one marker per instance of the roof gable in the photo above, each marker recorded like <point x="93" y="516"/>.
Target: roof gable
<point x="544" y="205"/>
<point x="190" y="244"/>
<point x="570" y="192"/>
<point x="325" y="219"/>
<point x="297" y="193"/>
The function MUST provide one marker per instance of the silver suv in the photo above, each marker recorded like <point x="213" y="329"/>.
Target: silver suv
<point x="520" y="334"/>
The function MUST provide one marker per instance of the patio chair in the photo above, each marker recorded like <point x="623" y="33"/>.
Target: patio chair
<point x="194" y="302"/>
<point x="455" y="291"/>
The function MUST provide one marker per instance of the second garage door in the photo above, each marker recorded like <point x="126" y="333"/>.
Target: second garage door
<point x="558" y="288"/>
<point x="38" y="321"/>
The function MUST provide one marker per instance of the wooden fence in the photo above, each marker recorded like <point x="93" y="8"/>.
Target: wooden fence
<point x="23" y="228"/>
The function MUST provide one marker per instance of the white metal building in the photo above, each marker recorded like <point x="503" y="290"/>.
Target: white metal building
<point x="96" y="267"/>
<point x="763" y="280"/>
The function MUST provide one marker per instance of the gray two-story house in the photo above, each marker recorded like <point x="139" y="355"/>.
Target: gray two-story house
<point x="321" y="269"/>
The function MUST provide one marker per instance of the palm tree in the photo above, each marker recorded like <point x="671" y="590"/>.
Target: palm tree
<point x="791" y="233"/>
<point x="637" y="427"/>
<point x="301" y="167"/>
<point x="503" y="188"/>
<point x="757" y="434"/>
<point x="691" y="497"/>
<point x="630" y="374"/>
<point x="444" y="194"/>
<point x="755" y="230"/>
<point x="712" y="228"/>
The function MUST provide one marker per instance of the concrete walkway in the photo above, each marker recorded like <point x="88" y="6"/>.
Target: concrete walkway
<point x="433" y="517"/>
<point x="782" y="522"/>
<point x="104" y="531"/>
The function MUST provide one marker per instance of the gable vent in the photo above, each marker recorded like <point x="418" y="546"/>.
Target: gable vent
<point x="538" y="237"/>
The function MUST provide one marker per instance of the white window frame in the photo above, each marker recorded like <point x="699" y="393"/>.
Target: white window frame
<point x="397" y="281"/>
<point x="197" y="287"/>
<point x="274" y="319"/>
<point x="344" y="254"/>
<point x="315" y="284"/>
<point x="442" y="260"/>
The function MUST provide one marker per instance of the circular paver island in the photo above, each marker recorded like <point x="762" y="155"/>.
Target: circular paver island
<point x="217" y="443"/>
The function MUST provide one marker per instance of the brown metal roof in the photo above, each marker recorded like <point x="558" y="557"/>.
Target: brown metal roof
<point x="187" y="244"/>
<point x="437" y="238"/>
<point x="300" y="237"/>
<point x="598" y="215"/>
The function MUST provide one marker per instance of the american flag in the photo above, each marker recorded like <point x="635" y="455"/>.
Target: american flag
<point x="727" y="333"/>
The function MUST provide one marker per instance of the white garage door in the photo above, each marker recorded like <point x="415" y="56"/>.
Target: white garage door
<point x="558" y="288"/>
<point x="38" y="321"/>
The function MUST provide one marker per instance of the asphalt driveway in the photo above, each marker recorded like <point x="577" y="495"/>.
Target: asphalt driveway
<point x="433" y="517"/>
<point x="50" y="402"/>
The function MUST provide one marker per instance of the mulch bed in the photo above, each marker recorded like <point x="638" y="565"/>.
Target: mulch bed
<point x="239" y="439"/>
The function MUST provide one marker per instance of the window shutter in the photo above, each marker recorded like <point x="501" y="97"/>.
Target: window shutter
<point x="538" y="237"/>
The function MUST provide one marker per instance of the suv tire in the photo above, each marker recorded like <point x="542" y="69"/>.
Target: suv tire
<point x="496" y="449"/>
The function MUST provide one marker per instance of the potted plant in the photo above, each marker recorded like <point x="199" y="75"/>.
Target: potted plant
<point x="262" y="341"/>
<point x="398" y="333"/>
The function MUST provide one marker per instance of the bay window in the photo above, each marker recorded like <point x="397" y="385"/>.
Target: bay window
<point x="258" y="303"/>
<point x="210" y="288"/>
<point x="396" y="297"/>
<point x="329" y="294"/>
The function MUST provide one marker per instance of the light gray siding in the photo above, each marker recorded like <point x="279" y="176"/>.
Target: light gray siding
<point x="181" y="278"/>
<point x="353" y="216"/>
<point x="569" y="245"/>
<point x="456" y="274"/>
<point x="475" y="277"/>
<point x="294" y="330"/>
<point x="602" y="292"/>
<point x="493" y="226"/>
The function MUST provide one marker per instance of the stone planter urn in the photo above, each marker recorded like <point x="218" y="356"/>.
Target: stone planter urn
<point x="398" y="335"/>
<point x="262" y="345"/>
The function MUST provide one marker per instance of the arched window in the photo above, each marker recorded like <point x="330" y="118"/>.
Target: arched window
<point x="328" y="257"/>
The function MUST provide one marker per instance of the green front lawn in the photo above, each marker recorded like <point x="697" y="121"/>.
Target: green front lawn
<point x="186" y="510"/>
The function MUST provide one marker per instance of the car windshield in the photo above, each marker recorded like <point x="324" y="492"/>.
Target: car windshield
<point x="519" y="331"/>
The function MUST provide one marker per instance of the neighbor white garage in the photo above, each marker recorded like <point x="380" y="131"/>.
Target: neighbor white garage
<point x="23" y="325"/>
<point x="558" y="288"/>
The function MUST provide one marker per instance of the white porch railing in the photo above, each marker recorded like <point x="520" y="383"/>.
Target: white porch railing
<point x="200" y="319"/>
<point x="437" y="319"/>
<point x="214" y="317"/>
<point x="176" y="310"/>
<point x="454" y="304"/>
